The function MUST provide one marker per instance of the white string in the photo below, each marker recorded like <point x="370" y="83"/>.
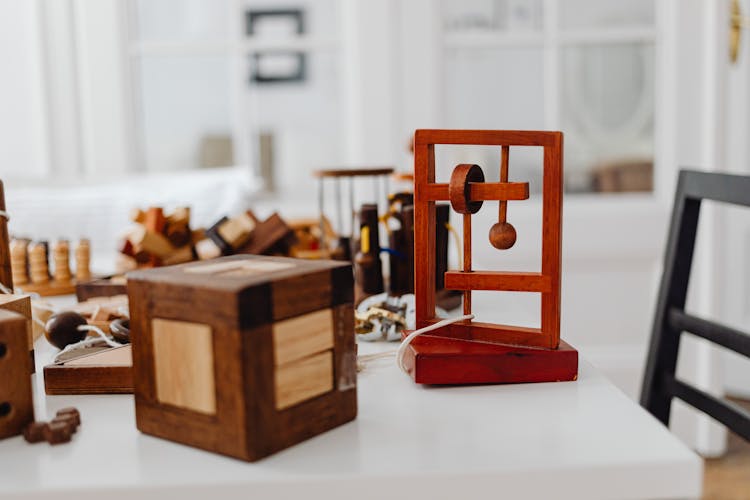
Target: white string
<point x="363" y="359"/>
<point x="408" y="340"/>
<point x="88" y="342"/>
<point x="5" y="214"/>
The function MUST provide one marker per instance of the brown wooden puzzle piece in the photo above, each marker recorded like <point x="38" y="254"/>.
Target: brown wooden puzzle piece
<point x="16" y="403"/>
<point x="272" y="343"/>
<point x="57" y="431"/>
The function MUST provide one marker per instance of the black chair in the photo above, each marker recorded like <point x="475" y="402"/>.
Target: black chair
<point x="660" y="384"/>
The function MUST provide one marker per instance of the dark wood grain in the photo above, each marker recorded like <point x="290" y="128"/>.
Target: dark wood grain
<point x="99" y="288"/>
<point x="6" y="276"/>
<point x="16" y="403"/>
<point x="241" y="311"/>
<point x="61" y="379"/>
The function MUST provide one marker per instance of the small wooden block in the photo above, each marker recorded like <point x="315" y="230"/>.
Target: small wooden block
<point x="58" y="432"/>
<point x="155" y="220"/>
<point x="151" y="242"/>
<point x="184" y="364"/>
<point x="70" y="412"/>
<point x="439" y="360"/>
<point x="237" y="230"/>
<point x="179" y="216"/>
<point x="68" y="420"/>
<point x="207" y="249"/>
<point x="299" y="337"/>
<point x="34" y="432"/>
<point x="267" y="235"/>
<point x="16" y="403"/>
<point x="103" y="372"/>
<point x="304" y="379"/>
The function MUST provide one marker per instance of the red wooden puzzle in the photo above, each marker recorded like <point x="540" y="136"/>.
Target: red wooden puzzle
<point x="469" y="351"/>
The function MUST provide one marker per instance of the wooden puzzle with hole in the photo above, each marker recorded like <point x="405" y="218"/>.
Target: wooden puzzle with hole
<point x="243" y="355"/>
<point x="474" y="352"/>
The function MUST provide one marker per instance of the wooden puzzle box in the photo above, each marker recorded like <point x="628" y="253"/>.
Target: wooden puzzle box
<point x="243" y="355"/>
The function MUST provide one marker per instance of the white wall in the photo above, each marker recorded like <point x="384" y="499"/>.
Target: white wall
<point x="22" y="125"/>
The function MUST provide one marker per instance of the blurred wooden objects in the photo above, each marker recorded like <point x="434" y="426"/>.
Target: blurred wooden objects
<point x="83" y="260"/>
<point x="30" y="262"/>
<point x="59" y="430"/>
<point x="159" y="238"/>
<point x="624" y="176"/>
<point x="341" y="248"/>
<point x="243" y="355"/>
<point x="16" y="403"/>
<point x="104" y="287"/>
<point x="18" y="261"/>
<point x="101" y="311"/>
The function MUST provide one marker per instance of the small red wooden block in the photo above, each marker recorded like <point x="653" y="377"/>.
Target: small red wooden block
<point x="440" y="360"/>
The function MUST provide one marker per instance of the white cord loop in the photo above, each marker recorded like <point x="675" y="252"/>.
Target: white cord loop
<point x="101" y="338"/>
<point x="363" y="359"/>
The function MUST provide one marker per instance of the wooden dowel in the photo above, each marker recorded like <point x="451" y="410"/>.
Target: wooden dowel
<point x="6" y="276"/>
<point x="503" y="210"/>
<point x="467" y="260"/>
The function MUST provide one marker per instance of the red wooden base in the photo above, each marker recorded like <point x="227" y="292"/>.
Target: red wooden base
<point x="436" y="359"/>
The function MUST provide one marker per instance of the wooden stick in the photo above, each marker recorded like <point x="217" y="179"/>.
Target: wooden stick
<point x="6" y="276"/>
<point x="467" y="260"/>
<point x="503" y="178"/>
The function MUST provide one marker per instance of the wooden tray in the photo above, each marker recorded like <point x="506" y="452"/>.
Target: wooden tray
<point x="104" y="372"/>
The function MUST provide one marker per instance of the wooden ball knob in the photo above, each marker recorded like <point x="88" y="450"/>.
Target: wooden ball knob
<point x="62" y="329"/>
<point x="502" y="235"/>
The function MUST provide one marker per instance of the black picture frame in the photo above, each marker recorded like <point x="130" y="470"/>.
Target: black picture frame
<point x="299" y="72"/>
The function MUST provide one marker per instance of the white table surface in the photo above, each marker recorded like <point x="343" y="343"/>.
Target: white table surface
<point x="579" y="440"/>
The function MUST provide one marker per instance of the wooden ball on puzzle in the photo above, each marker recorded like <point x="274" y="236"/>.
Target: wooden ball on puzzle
<point x="62" y="329"/>
<point x="502" y="235"/>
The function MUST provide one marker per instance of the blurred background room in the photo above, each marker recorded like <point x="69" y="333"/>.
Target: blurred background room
<point x="225" y="105"/>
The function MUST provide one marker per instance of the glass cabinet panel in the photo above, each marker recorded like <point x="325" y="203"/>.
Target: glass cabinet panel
<point x="599" y="14"/>
<point x="607" y="113"/>
<point x="185" y="111"/>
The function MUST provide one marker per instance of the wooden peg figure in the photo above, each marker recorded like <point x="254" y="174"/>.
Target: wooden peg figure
<point x="83" y="260"/>
<point x="61" y="257"/>
<point x="38" y="267"/>
<point x="18" y="262"/>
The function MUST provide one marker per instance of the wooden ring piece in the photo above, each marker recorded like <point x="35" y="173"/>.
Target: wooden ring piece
<point x="458" y="189"/>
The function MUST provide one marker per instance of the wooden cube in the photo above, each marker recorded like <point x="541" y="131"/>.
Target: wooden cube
<point x="22" y="305"/>
<point x="243" y="355"/>
<point x="16" y="402"/>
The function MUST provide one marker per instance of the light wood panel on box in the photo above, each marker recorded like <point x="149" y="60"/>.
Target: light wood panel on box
<point x="20" y="304"/>
<point x="184" y="364"/>
<point x="298" y="337"/>
<point x="303" y="380"/>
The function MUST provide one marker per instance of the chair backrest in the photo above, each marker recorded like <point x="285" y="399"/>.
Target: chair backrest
<point x="660" y="384"/>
